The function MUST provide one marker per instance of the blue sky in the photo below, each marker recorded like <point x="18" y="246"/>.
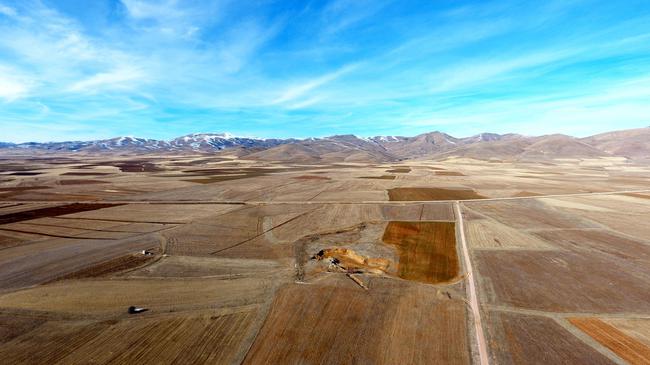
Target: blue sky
<point x="73" y="69"/>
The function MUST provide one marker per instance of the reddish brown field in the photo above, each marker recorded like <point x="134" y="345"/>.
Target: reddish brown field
<point x="83" y="173"/>
<point x="628" y="348"/>
<point x="400" y="170"/>
<point x="82" y="182"/>
<point x="427" y="250"/>
<point x="51" y="212"/>
<point x="137" y="166"/>
<point x="519" y="339"/>
<point x="390" y="323"/>
<point x="417" y="194"/>
<point x="382" y="177"/>
<point x="449" y="173"/>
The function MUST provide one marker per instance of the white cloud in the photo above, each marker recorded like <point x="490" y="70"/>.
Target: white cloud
<point x="121" y="78"/>
<point x="8" y="11"/>
<point x="342" y="14"/>
<point x="299" y="90"/>
<point x="305" y="103"/>
<point x="12" y="85"/>
<point x="241" y="42"/>
<point x="11" y="89"/>
<point x="485" y="70"/>
<point x="142" y="9"/>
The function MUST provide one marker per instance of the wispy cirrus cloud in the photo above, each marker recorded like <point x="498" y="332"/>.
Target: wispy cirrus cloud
<point x="121" y="78"/>
<point x="301" y="89"/>
<point x="287" y="69"/>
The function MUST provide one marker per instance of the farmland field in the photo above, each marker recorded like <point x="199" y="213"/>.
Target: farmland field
<point x="240" y="261"/>
<point x="427" y="250"/>
<point x="334" y="322"/>
<point x="627" y="347"/>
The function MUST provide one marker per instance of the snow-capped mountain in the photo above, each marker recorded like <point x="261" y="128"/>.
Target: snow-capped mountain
<point x="220" y="141"/>
<point x="203" y="142"/>
<point x="629" y="144"/>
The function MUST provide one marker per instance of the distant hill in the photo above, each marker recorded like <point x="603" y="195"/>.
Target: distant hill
<point x="345" y="148"/>
<point x="631" y="144"/>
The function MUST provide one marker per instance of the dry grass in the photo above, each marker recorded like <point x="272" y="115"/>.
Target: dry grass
<point x="188" y="266"/>
<point x="485" y="233"/>
<point x="427" y="250"/>
<point x="525" y="194"/>
<point x="638" y="195"/>
<point x="528" y="214"/>
<point x="159" y="213"/>
<point x="567" y="203"/>
<point x="417" y="212"/>
<point x="311" y="177"/>
<point x="205" y="339"/>
<point x="12" y="326"/>
<point x="105" y="297"/>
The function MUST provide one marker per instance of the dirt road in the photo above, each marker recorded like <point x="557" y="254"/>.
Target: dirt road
<point x="471" y="290"/>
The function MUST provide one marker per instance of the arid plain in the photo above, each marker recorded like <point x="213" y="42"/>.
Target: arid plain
<point x="452" y="261"/>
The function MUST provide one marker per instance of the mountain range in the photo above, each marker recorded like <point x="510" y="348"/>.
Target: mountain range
<point x="632" y="144"/>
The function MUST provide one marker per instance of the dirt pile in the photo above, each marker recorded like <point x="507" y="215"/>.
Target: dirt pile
<point x="343" y="259"/>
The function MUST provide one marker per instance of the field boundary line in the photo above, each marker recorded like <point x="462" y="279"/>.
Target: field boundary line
<point x="471" y="289"/>
<point x="262" y="234"/>
<point x="317" y="202"/>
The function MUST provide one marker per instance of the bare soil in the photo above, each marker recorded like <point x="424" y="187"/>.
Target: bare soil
<point x="110" y="267"/>
<point x="519" y="339"/>
<point x="417" y="194"/>
<point x="628" y="348"/>
<point x="427" y="250"/>
<point x="52" y="212"/>
<point x="342" y="323"/>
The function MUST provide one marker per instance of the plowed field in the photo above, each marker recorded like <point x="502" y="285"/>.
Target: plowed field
<point x="418" y="194"/>
<point x="628" y="348"/>
<point x="346" y="325"/>
<point x="427" y="250"/>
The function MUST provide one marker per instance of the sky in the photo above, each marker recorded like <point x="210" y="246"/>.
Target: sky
<point x="80" y="70"/>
